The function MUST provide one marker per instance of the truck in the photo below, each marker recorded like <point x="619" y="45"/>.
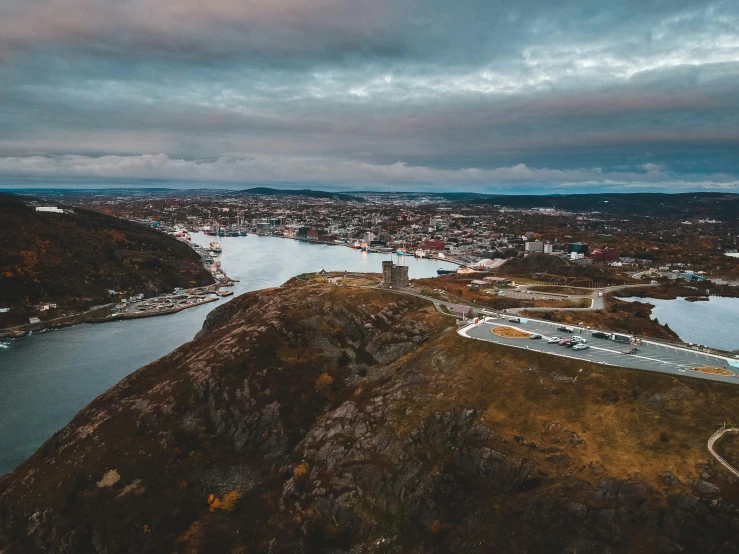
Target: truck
<point x="566" y="329"/>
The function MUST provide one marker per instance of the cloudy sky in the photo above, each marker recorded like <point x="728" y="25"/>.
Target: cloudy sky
<point x="474" y="95"/>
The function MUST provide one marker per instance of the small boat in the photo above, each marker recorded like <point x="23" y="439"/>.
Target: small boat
<point x="4" y="345"/>
<point x="215" y="247"/>
<point x="445" y="271"/>
<point x="420" y="254"/>
<point x="402" y="252"/>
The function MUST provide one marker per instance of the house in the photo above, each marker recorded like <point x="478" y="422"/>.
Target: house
<point x="34" y="320"/>
<point x="477" y="284"/>
<point x="498" y="280"/>
<point x="459" y="310"/>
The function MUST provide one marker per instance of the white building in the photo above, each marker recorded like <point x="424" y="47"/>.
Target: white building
<point x="548" y="248"/>
<point x="576" y="255"/>
<point x="534" y="246"/>
<point x="49" y="209"/>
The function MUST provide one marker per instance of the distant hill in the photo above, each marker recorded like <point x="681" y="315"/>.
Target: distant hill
<point x="74" y="259"/>
<point x="266" y="191"/>
<point x="693" y="204"/>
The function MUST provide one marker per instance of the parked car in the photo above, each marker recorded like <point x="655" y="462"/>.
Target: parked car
<point x="535" y="336"/>
<point x="554" y="340"/>
<point x="601" y="335"/>
<point x="578" y="338"/>
<point x="565" y="329"/>
<point x="565" y="342"/>
<point x="580" y="346"/>
<point x="515" y="319"/>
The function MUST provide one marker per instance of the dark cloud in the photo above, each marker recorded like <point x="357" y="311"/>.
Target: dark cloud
<point x="437" y="93"/>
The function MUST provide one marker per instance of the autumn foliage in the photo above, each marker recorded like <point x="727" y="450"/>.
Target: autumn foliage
<point x="324" y="384"/>
<point x="228" y="503"/>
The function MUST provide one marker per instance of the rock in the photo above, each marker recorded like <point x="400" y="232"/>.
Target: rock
<point x="669" y="479"/>
<point x="704" y="487"/>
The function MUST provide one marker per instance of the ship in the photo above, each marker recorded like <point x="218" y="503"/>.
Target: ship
<point x="215" y="247"/>
<point x="445" y="271"/>
<point x="402" y="252"/>
<point x="420" y="254"/>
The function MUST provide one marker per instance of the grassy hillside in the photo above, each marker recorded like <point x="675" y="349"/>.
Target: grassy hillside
<point x="316" y="418"/>
<point x="74" y="258"/>
<point x="545" y="267"/>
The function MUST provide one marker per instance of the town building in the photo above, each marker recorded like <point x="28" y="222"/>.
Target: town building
<point x="578" y="247"/>
<point x="534" y="246"/>
<point x="605" y="255"/>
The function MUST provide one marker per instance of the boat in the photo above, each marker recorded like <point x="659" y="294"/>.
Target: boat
<point x="445" y="271"/>
<point x="356" y="246"/>
<point x="215" y="247"/>
<point x="420" y="254"/>
<point x="402" y="252"/>
<point x="4" y="345"/>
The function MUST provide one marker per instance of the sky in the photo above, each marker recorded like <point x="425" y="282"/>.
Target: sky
<point x="456" y="95"/>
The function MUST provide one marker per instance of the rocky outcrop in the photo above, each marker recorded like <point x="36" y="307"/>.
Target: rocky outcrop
<point x="316" y="418"/>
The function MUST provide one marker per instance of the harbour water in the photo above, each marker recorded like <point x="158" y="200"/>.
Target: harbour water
<point x="713" y="323"/>
<point x="46" y="378"/>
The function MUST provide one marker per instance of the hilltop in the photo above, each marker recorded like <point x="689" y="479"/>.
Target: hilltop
<point x="74" y="259"/>
<point x="317" y="418"/>
<point x="556" y="270"/>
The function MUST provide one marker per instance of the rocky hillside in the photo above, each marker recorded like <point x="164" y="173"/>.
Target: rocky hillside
<point x="74" y="259"/>
<point x="315" y="418"/>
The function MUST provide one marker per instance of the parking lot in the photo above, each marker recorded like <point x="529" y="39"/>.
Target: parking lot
<point x="650" y="356"/>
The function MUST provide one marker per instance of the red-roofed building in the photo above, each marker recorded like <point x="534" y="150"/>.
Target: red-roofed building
<point x="429" y="244"/>
<point x="604" y="255"/>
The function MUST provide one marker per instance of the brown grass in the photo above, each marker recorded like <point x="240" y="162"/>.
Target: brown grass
<point x="715" y="370"/>
<point x="510" y="333"/>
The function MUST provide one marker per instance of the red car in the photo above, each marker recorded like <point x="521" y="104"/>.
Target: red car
<point x="565" y="342"/>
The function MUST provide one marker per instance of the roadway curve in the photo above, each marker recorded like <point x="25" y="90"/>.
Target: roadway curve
<point x="596" y="302"/>
<point x="714" y="438"/>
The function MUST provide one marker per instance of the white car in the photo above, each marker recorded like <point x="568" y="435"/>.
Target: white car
<point x="580" y="346"/>
<point x="577" y="338"/>
<point x="554" y="340"/>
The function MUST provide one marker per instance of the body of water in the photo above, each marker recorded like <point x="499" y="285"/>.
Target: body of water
<point x="46" y="378"/>
<point x="714" y="323"/>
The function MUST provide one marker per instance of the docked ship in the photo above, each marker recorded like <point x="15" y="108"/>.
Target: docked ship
<point x="215" y="247"/>
<point x="420" y="254"/>
<point x="402" y="252"/>
<point x="445" y="271"/>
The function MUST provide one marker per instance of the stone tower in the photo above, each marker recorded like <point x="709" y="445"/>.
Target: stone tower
<point x="394" y="276"/>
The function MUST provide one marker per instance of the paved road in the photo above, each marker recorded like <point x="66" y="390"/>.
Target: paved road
<point x="597" y="301"/>
<point x="714" y="438"/>
<point x="650" y="357"/>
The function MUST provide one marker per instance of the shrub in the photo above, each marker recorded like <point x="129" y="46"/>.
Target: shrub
<point x="324" y="384"/>
<point x="228" y="503"/>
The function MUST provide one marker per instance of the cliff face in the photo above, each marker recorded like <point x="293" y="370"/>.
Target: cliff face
<point x="317" y="418"/>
